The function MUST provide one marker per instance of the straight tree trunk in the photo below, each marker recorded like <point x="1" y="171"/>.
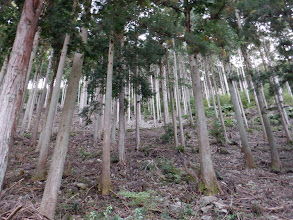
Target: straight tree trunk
<point x="45" y="136"/>
<point x="49" y="200"/>
<point x="115" y="112"/>
<point x="105" y="181"/>
<point x="210" y="86"/>
<point x="29" y="102"/>
<point x="249" y="160"/>
<point x="240" y="104"/>
<point x="182" y="138"/>
<point x="275" y="159"/>
<point x="33" y="140"/>
<point x="208" y="181"/>
<point x="98" y="117"/>
<point x="13" y="84"/>
<point x="32" y="107"/>
<point x="153" y="102"/>
<point x="32" y="58"/>
<point x="165" y="96"/>
<point x="174" y="121"/>
<point x="121" y="140"/>
<point x="137" y="116"/>
<point x="219" y="108"/>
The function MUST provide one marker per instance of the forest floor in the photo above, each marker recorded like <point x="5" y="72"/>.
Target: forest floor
<point x="153" y="183"/>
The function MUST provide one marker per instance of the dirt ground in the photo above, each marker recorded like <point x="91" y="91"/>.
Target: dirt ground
<point x="153" y="183"/>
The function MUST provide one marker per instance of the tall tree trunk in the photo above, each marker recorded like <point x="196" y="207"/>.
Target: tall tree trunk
<point x="208" y="182"/>
<point x="13" y="84"/>
<point x="115" y="112"/>
<point x="165" y="96"/>
<point x="137" y="116"/>
<point x="45" y="136"/>
<point x="32" y="58"/>
<point x="121" y="141"/>
<point x="29" y="102"/>
<point x="182" y="138"/>
<point x="54" y="178"/>
<point x="249" y="160"/>
<point x="240" y="104"/>
<point x="153" y="102"/>
<point x="98" y="117"/>
<point x="105" y="181"/>
<point x="174" y="121"/>
<point x="210" y="86"/>
<point x="219" y="107"/>
<point x="275" y="159"/>
<point x="33" y="140"/>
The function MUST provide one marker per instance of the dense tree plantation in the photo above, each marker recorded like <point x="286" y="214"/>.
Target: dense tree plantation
<point x="149" y="109"/>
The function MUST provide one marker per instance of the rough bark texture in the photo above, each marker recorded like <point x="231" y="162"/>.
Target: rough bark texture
<point x="105" y="181"/>
<point x="53" y="183"/>
<point x="3" y="69"/>
<point x="13" y="84"/>
<point x="208" y="183"/>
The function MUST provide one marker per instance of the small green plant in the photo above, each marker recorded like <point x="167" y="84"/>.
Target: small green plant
<point x="217" y="132"/>
<point x="229" y="122"/>
<point x="180" y="149"/>
<point x="147" y="199"/>
<point x="171" y="173"/>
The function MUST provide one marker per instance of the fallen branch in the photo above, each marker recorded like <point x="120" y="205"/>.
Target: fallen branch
<point x="13" y="213"/>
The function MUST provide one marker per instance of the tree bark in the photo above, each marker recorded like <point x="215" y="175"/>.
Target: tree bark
<point x="275" y="159"/>
<point x="121" y="141"/>
<point x="53" y="182"/>
<point x="174" y="121"/>
<point x="3" y="69"/>
<point x="105" y="181"/>
<point x="249" y="160"/>
<point x="45" y="136"/>
<point x="220" y="108"/>
<point x="165" y="96"/>
<point x="33" y="140"/>
<point x="208" y="183"/>
<point x="115" y="112"/>
<point x="178" y="106"/>
<point x="13" y="84"/>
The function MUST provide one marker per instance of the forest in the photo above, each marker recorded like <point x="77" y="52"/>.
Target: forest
<point x="147" y="109"/>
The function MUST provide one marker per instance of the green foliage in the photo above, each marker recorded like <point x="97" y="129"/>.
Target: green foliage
<point x="171" y="173"/>
<point x="180" y="149"/>
<point x="288" y="99"/>
<point x="209" y="112"/>
<point x="147" y="200"/>
<point x="225" y="100"/>
<point x="217" y="132"/>
<point x="229" y="122"/>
